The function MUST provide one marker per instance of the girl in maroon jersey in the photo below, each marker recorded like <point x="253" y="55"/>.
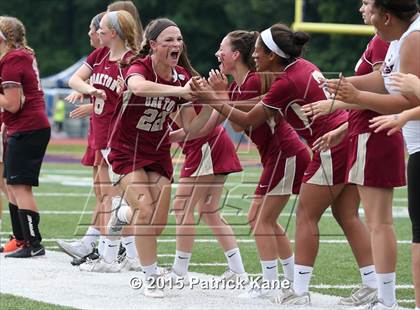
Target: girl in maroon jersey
<point x="140" y="147"/>
<point x="374" y="168"/>
<point x="208" y="160"/>
<point x="283" y="156"/>
<point x="398" y="22"/>
<point x="85" y="246"/>
<point x="28" y="132"/>
<point x="278" y="50"/>
<point x="119" y="40"/>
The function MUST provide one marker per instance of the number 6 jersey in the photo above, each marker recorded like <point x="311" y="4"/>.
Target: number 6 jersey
<point x="104" y="76"/>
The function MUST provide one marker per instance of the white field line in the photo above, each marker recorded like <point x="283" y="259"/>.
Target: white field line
<point x="245" y="196"/>
<point x="398" y="212"/>
<point x="325" y="241"/>
<point x="84" y="290"/>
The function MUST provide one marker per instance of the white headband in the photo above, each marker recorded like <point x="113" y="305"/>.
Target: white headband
<point x="2" y="36"/>
<point x="113" y="20"/>
<point x="267" y="38"/>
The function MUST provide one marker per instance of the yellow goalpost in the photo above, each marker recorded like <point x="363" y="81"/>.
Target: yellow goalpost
<point x="330" y="28"/>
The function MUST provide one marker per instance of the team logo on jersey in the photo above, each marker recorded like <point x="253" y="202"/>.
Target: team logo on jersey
<point x="104" y="80"/>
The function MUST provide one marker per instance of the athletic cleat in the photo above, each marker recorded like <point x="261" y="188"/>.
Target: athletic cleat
<point x="130" y="264"/>
<point x="12" y="245"/>
<point x="379" y="305"/>
<point x="289" y="297"/>
<point x="115" y="225"/>
<point x="259" y="291"/>
<point x="75" y="249"/>
<point x="151" y="288"/>
<point x="100" y="265"/>
<point x="360" y="296"/>
<point x="27" y="251"/>
<point x="230" y="275"/>
<point x="91" y="256"/>
<point x="170" y="275"/>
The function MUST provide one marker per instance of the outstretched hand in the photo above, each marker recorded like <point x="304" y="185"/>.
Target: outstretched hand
<point x="98" y="93"/>
<point x="319" y="108"/>
<point x="392" y="122"/>
<point x="74" y="97"/>
<point x="202" y="90"/>
<point x="342" y="90"/>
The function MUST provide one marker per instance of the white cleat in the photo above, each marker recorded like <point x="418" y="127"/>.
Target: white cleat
<point x="172" y="276"/>
<point x="100" y="265"/>
<point x="130" y="264"/>
<point x="258" y="292"/>
<point x="151" y="288"/>
<point x="230" y="275"/>
<point x="75" y="249"/>
<point x="379" y="305"/>
<point x="289" y="297"/>
<point x="360" y="296"/>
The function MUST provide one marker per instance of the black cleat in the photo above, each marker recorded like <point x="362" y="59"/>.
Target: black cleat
<point x="91" y="256"/>
<point x="27" y="251"/>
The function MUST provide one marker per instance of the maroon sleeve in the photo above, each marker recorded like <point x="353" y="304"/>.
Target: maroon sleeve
<point x="279" y="94"/>
<point x="138" y="68"/>
<point x="93" y="58"/>
<point x="12" y="70"/>
<point x="378" y="50"/>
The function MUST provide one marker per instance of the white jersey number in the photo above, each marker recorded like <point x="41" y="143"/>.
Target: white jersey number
<point x="152" y="120"/>
<point x="99" y="106"/>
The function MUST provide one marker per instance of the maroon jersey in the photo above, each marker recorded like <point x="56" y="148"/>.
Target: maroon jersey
<point x="269" y="136"/>
<point x="374" y="54"/>
<point x="296" y="86"/>
<point x="104" y="76"/>
<point x="141" y="129"/>
<point x="193" y="144"/>
<point x="19" y="67"/>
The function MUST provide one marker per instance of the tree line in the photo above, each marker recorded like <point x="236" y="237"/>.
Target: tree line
<point x="57" y="29"/>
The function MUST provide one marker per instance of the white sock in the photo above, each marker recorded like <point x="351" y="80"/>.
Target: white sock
<point x="101" y="245"/>
<point x="124" y="210"/>
<point x="181" y="262"/>
<point x="302" y="277"/>
<point x="149" y="270"/>
<point x="90" y="238"/>
<point x="130" y="246"/>
<point x="288" y="267"/>
<point x="368" y="275"/>
<point x="269" y="269"/>
<point x="386" y="288"/>
<point x="111" y="250"/>
<point x="234" y="259"/>
<point x="124" y="213"/>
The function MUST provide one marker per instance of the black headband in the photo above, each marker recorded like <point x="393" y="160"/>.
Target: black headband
<point x="160" y="25"/>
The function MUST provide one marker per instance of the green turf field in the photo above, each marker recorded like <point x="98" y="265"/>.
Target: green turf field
<point x="66" y="198"/>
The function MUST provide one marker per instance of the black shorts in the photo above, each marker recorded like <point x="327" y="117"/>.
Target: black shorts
<point x="413" y="185"/>
<point x="24" y="154"/>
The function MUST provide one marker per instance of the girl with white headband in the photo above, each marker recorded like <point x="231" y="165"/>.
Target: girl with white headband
<point x="119" y="40"/>
<point x="297" y="82"/>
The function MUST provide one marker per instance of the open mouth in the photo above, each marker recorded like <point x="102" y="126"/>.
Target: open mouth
<point x="174" y="55"/>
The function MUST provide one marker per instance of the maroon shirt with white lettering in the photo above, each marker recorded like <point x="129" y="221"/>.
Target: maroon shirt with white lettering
<point x="141" y="123"/>
<point x="19" y="67"/>
<point x="104" y="76"/>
